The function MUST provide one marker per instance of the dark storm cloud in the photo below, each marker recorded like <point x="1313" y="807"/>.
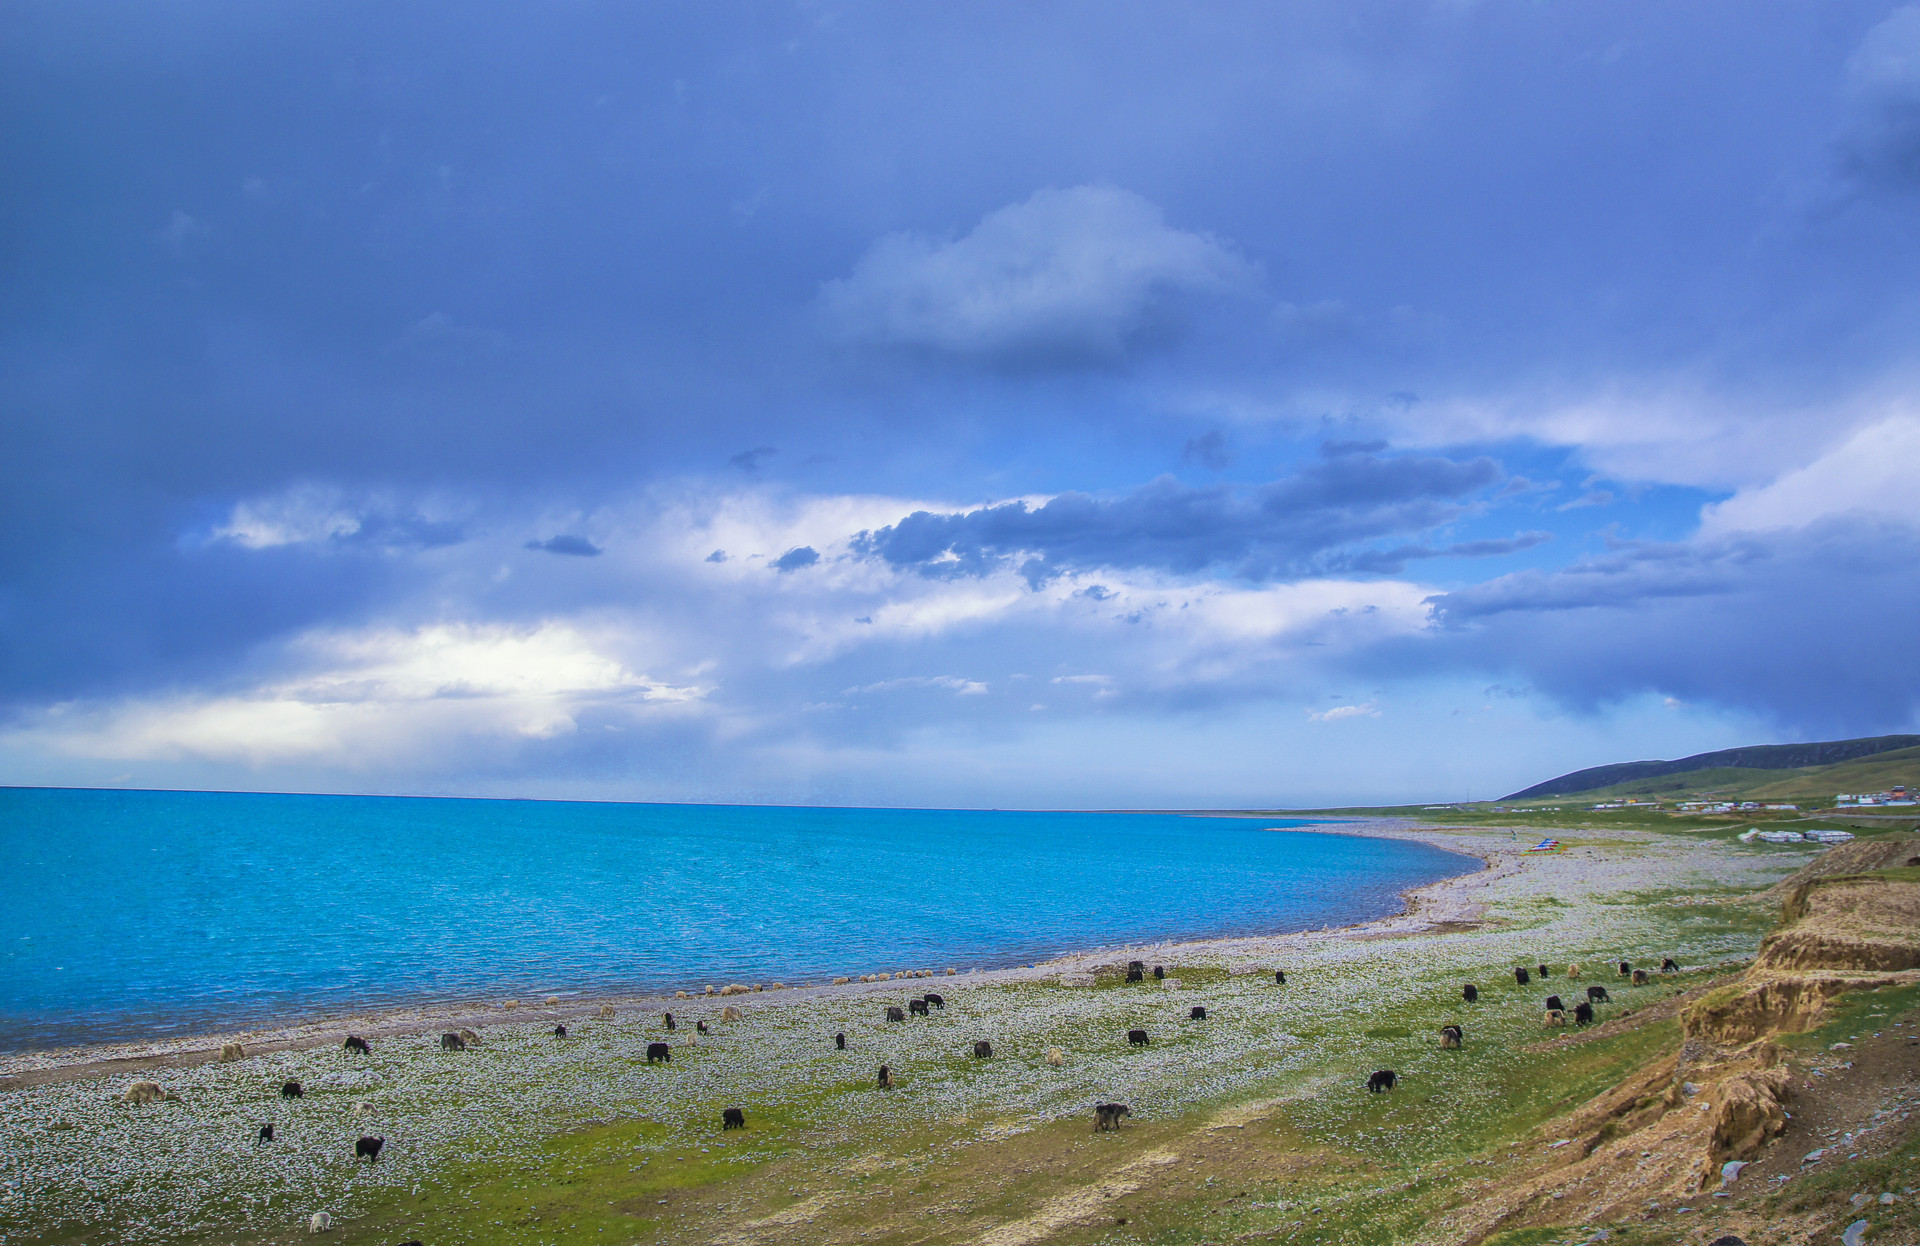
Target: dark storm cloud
<point x="1394" y="561"/>
<point x="1810" y="628"/>
<point x="565" y="543"/>
<point x="1281" y="529"/>
<point x="1880" y="145"/>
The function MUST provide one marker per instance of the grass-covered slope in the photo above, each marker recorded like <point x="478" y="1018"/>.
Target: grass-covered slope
<point x="1773" y="771"/>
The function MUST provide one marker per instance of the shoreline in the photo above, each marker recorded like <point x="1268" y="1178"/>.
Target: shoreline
<point x="529" y="1130"/>
<point x="1442" y="906"/>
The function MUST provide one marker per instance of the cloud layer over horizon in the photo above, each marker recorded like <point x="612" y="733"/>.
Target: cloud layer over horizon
<point x="1057" y="405"/>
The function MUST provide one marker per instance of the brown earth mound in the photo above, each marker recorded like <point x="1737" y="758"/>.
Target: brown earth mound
<point x="1725" y="1094"/>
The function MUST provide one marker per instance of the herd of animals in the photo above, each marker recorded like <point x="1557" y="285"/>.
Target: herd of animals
<point x="1106" y="1115"/>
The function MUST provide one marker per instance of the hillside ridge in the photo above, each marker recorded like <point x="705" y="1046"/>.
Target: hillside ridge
<point x="1751" y="757"/>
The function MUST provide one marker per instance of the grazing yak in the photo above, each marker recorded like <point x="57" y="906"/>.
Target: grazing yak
<point x="1553" y="1018"/>
<point x="356" y="1043"/>
<point x="657" y="1052"/>
<point x="1279" y="977"/>
<point x="369" y="1149"/>
<point x="1669" y="965"/>
<point x="1381" y="1080"/>
<point x="918" y="1007"/>
<point x="1598" y="995"/>
<point x="1056" y="1057"/>
<point x="1626" y="967"/>
<point x="668" y="1018"/>
<point x="232" y="1051"/>
<point x="938" y="1001"/>
<point x="1470" y="992"/>
<point x="1159" y="973"/>
<point x="733" y="1118"/>
<point x="840" y="1041"/>
<point x="452" y="1042"/>
<point x="1545" y="972"/>
<point x="700" y="1027"/>
<point x="1196" y="1013"/>
<point x="1136" y="972"/>
<point x="1583" y="1014"/>
<point x="1137" y="1038"/>
<point x="885" y="1078"/>
<point x="1106" y="1116"/>
<point x="1554" y="1004"/>
<point x="266" y="1133"/>
<point x="895" y="1013"/>
<point x="291" y="1090"/>
<point x="559" y="1031"/>
<point x="1641" y="977"/>
<point x="1451" y="1036"/>
<point x="983" y="1050"/>
<point x="1520" y="975"/>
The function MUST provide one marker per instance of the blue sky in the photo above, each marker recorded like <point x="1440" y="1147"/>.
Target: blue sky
<point x="989" y="405"/>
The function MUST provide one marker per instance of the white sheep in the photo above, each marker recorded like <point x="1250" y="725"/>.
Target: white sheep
<point x="606" y="1012"/>
<point x="1056" y="1057"/>
<point x="232" y="1051"/>
<point x="319" y="1222"/>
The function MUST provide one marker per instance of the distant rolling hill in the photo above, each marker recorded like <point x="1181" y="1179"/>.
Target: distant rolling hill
<point x="1763" y="771"/>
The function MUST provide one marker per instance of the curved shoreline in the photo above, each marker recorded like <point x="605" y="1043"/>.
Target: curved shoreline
<point x="1448" y="904"/>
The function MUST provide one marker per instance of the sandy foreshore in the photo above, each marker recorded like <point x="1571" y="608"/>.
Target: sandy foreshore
<point x="1455" y="904"/>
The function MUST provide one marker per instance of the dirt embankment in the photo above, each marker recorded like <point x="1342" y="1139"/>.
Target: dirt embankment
<point x="1850" y="921"/>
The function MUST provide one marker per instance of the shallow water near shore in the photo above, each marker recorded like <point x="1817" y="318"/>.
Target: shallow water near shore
<point x="129" y="915"/>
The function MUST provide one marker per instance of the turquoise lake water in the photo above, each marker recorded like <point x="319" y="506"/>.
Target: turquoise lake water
<point x="145" y="914"/>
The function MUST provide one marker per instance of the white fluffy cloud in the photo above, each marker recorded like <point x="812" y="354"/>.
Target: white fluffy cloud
<point x="1871" y="471"/>
<point x="1071" y="272"/>
<point x="372" y="698"/>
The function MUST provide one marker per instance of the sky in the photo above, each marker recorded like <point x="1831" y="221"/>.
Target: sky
<point x="995" y="405"/>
